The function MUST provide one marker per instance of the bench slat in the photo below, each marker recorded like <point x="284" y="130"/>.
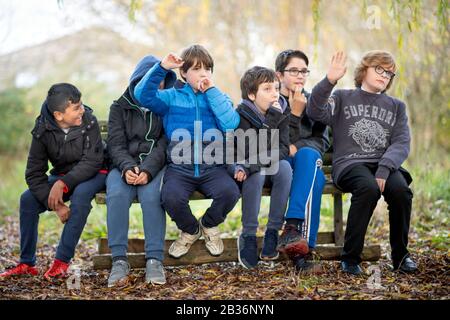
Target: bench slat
<point x="137" y="245"/>
<point x="100" y="198"/>
<point x="199" y="255"/>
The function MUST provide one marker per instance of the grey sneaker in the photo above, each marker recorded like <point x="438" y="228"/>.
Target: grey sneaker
<point x="154" y="272"/>
<point x="119" y="273"/>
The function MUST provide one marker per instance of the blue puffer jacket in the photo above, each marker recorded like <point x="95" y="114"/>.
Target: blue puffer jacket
<point x="181" y="108"/>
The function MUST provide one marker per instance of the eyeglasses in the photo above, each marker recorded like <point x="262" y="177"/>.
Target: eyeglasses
<point x="385" y="73"/>
<point x="294" y="72"/>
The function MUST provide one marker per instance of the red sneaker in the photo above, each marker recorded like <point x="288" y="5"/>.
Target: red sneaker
<point x="292" y="242"/>
<point x="57" y="270"/>
<point x="20" y="269"/>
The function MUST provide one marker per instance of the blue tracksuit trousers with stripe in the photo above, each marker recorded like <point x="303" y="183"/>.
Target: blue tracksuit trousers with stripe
<point x="308" y="181"/>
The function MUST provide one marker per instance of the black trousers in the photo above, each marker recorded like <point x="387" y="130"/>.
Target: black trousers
<point x="359" y="180"/>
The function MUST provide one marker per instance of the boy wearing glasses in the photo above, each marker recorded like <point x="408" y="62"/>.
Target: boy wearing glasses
<point x="308" y="141"/>
<point x="371" y="140"/>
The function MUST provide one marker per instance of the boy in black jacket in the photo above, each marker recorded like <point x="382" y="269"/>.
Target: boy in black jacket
<point x="137" y="147"/>
<point x="66" y="134"/>
<point x="265" y="120"/>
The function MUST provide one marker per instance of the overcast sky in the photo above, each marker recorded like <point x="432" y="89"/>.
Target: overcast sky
<point x="26" y="23"/>
<point x="30" y="22"/>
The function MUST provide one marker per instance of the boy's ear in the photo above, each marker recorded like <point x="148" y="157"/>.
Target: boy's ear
<point x="252" y="97"/>
<point x="183" y="74"/>
<point x="58" y="115"/>
<point x="279" y="75"/>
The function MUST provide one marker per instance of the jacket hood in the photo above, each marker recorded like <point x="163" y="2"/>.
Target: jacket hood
<point x="141" y="69"/>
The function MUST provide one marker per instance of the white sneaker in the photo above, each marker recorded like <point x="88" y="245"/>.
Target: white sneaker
<point x="182" y="245"/>
<point x="213" y="242"/>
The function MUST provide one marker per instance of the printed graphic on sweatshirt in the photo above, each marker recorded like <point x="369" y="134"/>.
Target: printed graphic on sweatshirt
<point x="369" y="135"/>
<point x="370" y="112"/>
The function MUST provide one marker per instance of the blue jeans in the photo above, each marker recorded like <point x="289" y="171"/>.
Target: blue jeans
<point x="80" y="206"/>
<point x="119" y="197"/>
<point x="306" y="191"/>
<point x="251" y="198"/>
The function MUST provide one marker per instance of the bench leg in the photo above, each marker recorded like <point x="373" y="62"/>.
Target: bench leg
<point x="338" y="220"/>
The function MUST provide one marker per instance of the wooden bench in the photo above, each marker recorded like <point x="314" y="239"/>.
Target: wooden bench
<point x="329" y="243"/>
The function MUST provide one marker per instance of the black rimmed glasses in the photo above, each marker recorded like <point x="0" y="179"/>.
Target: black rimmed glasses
<point x="295" y="72"/>
<point x="385" y="73"/>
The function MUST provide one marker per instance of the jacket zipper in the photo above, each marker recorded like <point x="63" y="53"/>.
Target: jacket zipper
<point x="196" y="138"/>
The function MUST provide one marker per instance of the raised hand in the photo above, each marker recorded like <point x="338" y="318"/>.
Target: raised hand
<point x="297" y="101"/>
<point x="172" y="61"/>
<point x="338" y="67"/>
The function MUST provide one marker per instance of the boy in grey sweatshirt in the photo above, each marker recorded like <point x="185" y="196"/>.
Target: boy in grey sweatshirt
<point x="371" y="140"/>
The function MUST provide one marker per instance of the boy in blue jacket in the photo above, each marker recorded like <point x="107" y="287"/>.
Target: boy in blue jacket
<point x="189" y="112"/>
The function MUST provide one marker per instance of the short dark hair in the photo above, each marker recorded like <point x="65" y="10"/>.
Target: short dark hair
<point x="253" y="77"/>
<point x="285" y="57"/>
<point x="196" y="54"/>
<point x="60" y="95"/>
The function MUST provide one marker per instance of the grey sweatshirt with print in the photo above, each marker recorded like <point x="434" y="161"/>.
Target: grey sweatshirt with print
<point x="367" y="127"/>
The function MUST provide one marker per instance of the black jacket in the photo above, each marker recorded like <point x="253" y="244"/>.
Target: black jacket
<point x="304" y="132"/>
<point x="135" y="135"/>
<point x="77" y="155"/>
<point x="273" y="119"/>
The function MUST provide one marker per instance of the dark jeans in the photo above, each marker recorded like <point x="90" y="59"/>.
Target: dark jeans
<point x="360" y="182"/>
<point x="80" y="206"/>
<point x="214" y="183"/>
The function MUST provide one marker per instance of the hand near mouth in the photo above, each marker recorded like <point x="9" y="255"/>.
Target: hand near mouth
<point x="297" y="101"/>
<point x="205" y="84"/>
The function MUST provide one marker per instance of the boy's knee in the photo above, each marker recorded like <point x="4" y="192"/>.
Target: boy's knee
<point x="82" y="196"/>
<point x="400" y="192"/>
<point x="232" y="193"/>
<point x="171" y="200"/>
<point x="307" y="154"/>
<point x="27" y="200"/>
<point x="369" y="190"/>
<point x="285" y="170"/>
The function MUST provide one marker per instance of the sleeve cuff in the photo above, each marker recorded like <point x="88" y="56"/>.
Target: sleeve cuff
<point x="66" y="188"/>
<point x="382" y="172"/>
<point x="213" y="93"/>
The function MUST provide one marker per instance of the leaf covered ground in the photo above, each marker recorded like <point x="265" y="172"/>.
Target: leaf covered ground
<point x="230" y="281"/>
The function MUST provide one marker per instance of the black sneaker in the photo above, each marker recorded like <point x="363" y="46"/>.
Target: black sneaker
<point x="291" y="242"/>
<point x="305" y="264"/>
<point x="247" y="251"/>
<point x="270" y="242"/>
<point x="407" y="265"/>
<point x="351" y="268"/>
